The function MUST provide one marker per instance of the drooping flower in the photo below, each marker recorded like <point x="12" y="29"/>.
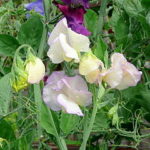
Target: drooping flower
<point x="90" y="66"/>
<point x="35" y="69"/>
<point x="66" y="93"/>
<point x="36" y="6"/>
<point x="75" y="18"/>
<point x="122" y="74"/>
<point x="65" y="44"/>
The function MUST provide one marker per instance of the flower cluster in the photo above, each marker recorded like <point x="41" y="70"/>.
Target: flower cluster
<point x="120" y="75"/>
<point x="69" y="42"/>
<point x="68" y="93"/>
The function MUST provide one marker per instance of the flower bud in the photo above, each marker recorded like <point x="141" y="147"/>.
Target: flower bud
<point x="35" y="69"/>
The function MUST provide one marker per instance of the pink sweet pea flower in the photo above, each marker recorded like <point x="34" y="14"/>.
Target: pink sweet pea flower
<point x="66" y="93"/>
<point x="122" y="74"/>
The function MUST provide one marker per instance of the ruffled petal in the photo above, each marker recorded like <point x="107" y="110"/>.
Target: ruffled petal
<point x="89" y="63"/>
<point x="50" y="98"/>
<point x="69" y="52"/>
<point x="56" y="53"/>
<point x="68" y="105"/>
<point x="131" y="76"/>
<point x="61" y="27"/>
<point x="78" y="41"/>
<point x="113" y="77"/>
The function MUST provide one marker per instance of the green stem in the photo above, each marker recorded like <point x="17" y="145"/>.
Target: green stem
<point x="87" y="130"/>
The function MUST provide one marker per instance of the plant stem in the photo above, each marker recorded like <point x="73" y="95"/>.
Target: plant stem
<point x="87" y="130"/>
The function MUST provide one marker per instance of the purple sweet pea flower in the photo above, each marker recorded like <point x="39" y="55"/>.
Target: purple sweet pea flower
<point x="75" y="18"/>
<point x="37" y="6"/>
<point x="83" y="3"/>
<point x="66" y="93"/>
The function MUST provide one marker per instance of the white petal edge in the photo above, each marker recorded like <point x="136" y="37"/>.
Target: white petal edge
<point x="69" y="106"/>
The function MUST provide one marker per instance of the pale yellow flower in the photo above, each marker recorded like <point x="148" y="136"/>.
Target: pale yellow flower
<point x="65" y="44"/>
<point x="35" y="70"/>
<point x="90" y="66"/>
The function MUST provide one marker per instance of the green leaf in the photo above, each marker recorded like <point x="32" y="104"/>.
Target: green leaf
<point x="100" y="49"/>
<point x="120" y="25"/>
<point x="133" y="7"/>
<point x="91" y="21"/>
<point x="6" y="130"/>
<point x="146" y="3"/>
<point x="5" y="94"/>
<point x="145" y="24"/>
<point x="144" y="100"/>
<point x="8" y="45"/>
<point x="46" y="120"/>
<point x="101" y="121"/>
<point x="31" y="32"/>
<point x="68" y="122"/>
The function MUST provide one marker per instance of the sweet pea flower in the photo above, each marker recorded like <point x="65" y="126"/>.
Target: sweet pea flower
<point x="65" y="44"/>
<point x="90" y="66"/>
<point x="84" y="3"/>
<point x="34" y="68"/>
<point x="122" y="74"/>
<point x="66" y="93"/>
<point x="75" y="18"/>
<point x="37" y="6"/>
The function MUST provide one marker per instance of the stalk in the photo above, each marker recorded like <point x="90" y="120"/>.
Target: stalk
<point x="97" y="97"/>
<point x="87" y="130"/>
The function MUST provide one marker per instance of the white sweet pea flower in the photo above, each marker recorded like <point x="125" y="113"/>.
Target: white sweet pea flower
<point x="35" y="70"/>
<point x="90" y="66"/>
<point x="66" y="93"/>
<point x="122" y="74"/>
<point x="65" y="44"/>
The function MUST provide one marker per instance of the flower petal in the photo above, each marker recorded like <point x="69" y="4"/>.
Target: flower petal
<point x="68" y="105"/>
<point x="55" y="53"/>
<point x="76" y="89"/>
<point x="131" y="77"/>
<point x="69" y="52"/>
<point x="113" y="77"/>
<point x="61" y="27"/>
<point x="78" y="41"/>
<point x="50" y="98"/>
<point x="75" y="18"/>
<point x="89" y="63"/>
<point x="118" y="59"/>
<point x="84" y="3"/>
<point x="93" y="76"/>
<point x="37" y="6"/>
